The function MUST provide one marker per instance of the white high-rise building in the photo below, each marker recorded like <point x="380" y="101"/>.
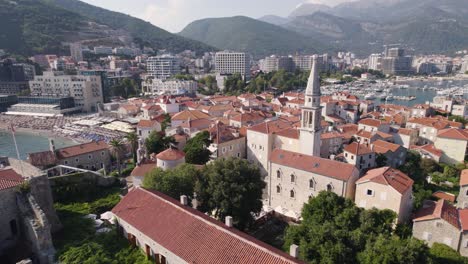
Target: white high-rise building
<point x="173" y="87"/>
<point x="228" y="63"/>
<point x="86" y="90"/>
<point x="163" y="67"/>
<point x="375" y="61"/>
<point x="310" y="131"/>
<point x="76" y="51"/>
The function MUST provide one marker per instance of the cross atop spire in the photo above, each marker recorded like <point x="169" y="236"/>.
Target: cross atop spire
<point x="313" y="85"/>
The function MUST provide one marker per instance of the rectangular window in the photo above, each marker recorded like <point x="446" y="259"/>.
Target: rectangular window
<point x="370" y="192"/>
<point x="427" y="236"/>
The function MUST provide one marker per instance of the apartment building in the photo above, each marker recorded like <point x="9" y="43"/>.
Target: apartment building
<point x="163" y="67"/>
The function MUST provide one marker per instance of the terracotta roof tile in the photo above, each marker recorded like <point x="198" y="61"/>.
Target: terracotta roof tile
<point x="371" y="122"/>
<point x="464" y="177"/>
<point x="171" y="154"/>
<point x="9" y="179"/>
<point x="192" y="235"/>
<point x="325" y="167"/>
<point x="143" y="168"/>
<point x="81" y="149"/>
<point x="353" y="147"/>
<point x="147" y="123"/>
<point x="190" y="114"/>
<point x="463" y="213"/>
<point x="444" y="195"/>
<point x="438" y="210"/>
<point x="381" y="146"/>
<point x="270" y="127"/>
<point x="453" y="133"/>
<point x="388" y="176"/>
<point x="289" y="133"/>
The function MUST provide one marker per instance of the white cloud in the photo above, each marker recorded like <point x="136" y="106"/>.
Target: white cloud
<point x="329" y="2"/>
<point x="171" y="15"/>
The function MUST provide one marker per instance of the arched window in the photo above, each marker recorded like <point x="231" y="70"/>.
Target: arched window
<point x="278" y="174"/>
<point x="311" y="184"/>
<point x="329" y="187"/>
<point x="278" y="189"/>
<point x="293" y="178"/>
<point x="292" y="194"/>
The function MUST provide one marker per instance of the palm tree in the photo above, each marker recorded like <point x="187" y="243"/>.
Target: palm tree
<point x="116" y="150"/>
<point x="132" y="139"/>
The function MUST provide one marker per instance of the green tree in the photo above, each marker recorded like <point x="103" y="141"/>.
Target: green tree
<point x="87" y="253"/>
<point x="381" y="160"/>
<point x="443" y="254"/>
<point x="132" y="139"/>
<point x="117" y="148"/>
<point x="196" y="149"/>
<point x="174" y="182"/>
<point x="231" y="187"/>
<point x="166" y="122"/>
<point x="394" y="250"/>
<point x="126" y="88"/>
<point x="157" y="142"/>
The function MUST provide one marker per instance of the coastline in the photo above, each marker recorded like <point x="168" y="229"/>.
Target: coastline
<point x="41" y="133"/>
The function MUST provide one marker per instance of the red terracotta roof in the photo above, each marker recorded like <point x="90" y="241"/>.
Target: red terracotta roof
<point x="147" y="123"/>
<point x="381" y="146"/>
<point x="444" y="195"/>
<point x="9" y="179"/>
<point x="170" y="154"/>
<point x="330" y="135"/>
<point x="353" y="147"/>
<point x="289" y="133"/>
<point x="325" y="167"/>
<point x="42" y="159"/>
<point x="142" y="169"/>
<point x="81" y="149"/>
<point x="438" y="210"/>
<point x="430" y="148"/>
<point x="463" y="213"/>
<point x="190" y="114"/>
<point x="453" y="133"/>
<point x="388" y="176"/>
<point x="464" y="177"/>
<point x="370" y="122"/>
<point x="192" y="235"/>
<point x="384" y="135"/>
<point x="406" y="131"/>
<point x="270" y="127"/>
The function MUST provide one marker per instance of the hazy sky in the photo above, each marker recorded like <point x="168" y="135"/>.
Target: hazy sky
<point x="174" y="15"/>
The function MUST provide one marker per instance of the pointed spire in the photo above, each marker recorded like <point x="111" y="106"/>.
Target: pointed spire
<point x="313" y="85"/>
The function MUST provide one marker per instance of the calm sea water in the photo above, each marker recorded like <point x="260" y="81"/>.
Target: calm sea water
<point x="27" y="143"/>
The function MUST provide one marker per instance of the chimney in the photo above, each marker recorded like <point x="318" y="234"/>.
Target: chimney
<point x="294" y="251"/>
<point x="184" y="199"/>
<point x="229" y="221"/>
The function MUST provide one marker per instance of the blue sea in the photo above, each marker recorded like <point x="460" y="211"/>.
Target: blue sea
<point x="28" y="143"/>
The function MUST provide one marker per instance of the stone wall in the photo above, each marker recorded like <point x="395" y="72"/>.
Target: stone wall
<point x="8" y="212"/>
<point x="40" y="189"/>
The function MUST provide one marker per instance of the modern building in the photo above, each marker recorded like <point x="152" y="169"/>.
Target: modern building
<point x="7" y="101"/>
<point x="76" y="51"/>
<point x="375" y="62"/>
<point x="170" y="87"/>
<point x="44" y="106"/>
<point x="163" y="67"/>
<point x="395" y="62"/>
<point x="276" y="63"/>
<point x="13" y="78"/>
<point x="103" y="50"/>
<point x="85" y="90"/>
<point x="229" y="63"/>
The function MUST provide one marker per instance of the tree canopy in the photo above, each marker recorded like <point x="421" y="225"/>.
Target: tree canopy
<point x="157" y="142"/>
<point x="231" y="187"/>
<point x="334" y="230"/>
<point x="196" y="149"/>
<point x="174" y="182"/>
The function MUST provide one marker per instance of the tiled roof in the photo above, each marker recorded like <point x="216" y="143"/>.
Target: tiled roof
<point x="384" y="135"/>
<point x="190" y="114"/>
<point x="220" y="133"/>
<point x="9" y="179"/>
<point x="463" y="213"/>
<point x="438" y="210"/>
<point x="464" y="177"/>
<point x="388" y="176"/>
<point x="81" y="149"/>
<point x="289" y="133"/>
<point x="270" y="127"/>
<point x="406" y="131"/>
<point x="453" y="133"/>
<point x="430" y="148"/>
<point x="444" y="195"/>
<point x="364" y="133"/>
<point x="381" y="146"/>
<point x="143" y="168"/>
<point x="192" y="235"/>
<point x="324" y="167"/>
<point x="370" y="122"/>
<point x="147" y="123"/>
<point x="330" y="135"/>
<point x="171" y="154"/>
<point x="353" y="147"/>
